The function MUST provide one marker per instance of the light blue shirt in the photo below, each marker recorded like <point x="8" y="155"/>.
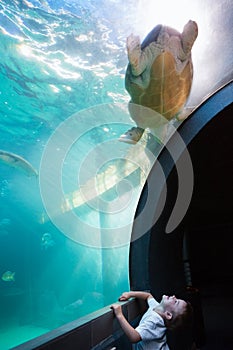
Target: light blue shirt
<point x="152" y="330"/>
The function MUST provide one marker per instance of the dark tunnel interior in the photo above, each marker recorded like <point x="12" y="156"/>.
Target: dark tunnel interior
<point x="77" y="244"/>
<point x="206" y="230"/>
<point x="209" y="227"/>
<point x="209" y="218"/>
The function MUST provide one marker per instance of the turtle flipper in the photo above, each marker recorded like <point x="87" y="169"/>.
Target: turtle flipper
<point x="136" y="56"/>
<point x="189" y="35"/>
<point x="132" y="136"/>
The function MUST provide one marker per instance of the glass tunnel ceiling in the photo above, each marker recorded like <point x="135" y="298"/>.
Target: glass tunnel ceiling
<point x="101" y="185"/>
<point x="93" y="46"/>
<point x="63" y="106"/>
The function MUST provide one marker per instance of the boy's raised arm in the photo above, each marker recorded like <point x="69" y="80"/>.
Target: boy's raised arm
<point x="130" y="332"/>
<point x="135" y="294"/>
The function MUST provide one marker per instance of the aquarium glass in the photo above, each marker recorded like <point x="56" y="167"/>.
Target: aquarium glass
<point x="68" y="187"/>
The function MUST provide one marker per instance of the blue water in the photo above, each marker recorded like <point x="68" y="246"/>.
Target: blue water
<point x="62" y="96"/>
<point x="57" y="58"/>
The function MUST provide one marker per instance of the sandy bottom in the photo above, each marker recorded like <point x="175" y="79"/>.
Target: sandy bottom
<point x="13" y="335"/>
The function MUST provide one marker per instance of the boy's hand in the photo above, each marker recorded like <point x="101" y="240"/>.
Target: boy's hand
<point x="117" y="309"/>
<point x="125" y="296"/>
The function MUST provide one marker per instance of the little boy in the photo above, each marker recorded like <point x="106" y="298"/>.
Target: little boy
<point x="150" y="334"/>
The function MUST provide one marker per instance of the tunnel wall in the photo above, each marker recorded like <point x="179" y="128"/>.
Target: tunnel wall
<point x="156" y="259"/>
<point x="97" y="331"/>
<point x="149" y="242"/>
<point x="207" y="135"/>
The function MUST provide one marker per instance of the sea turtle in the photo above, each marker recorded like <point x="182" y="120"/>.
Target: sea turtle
<point x="159" y="75"/>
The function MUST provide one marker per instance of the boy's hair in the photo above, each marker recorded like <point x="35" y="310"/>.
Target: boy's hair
<point x="181" y="321"/>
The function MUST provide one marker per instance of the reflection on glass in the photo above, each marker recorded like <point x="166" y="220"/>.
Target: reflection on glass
<point x="64" y="235"/>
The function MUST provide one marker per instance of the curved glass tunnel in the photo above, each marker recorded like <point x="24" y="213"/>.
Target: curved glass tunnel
<point x="192" y="261"/>
<point x="64" y="249"/>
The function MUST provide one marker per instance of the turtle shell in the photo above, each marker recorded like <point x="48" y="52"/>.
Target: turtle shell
<point x="165" y="86"/>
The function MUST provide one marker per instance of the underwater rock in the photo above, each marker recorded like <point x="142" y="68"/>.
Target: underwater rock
<point x="48" y="312"/>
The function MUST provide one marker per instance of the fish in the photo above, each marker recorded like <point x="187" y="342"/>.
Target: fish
<point x="8" y="276"/>
<point x="73" y="306"/>
<point x="47" y="241"/>
<point x="18" y="162"/>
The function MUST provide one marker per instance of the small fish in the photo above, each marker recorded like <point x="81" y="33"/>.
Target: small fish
<point x="47" y="241"/>
<point x="73" y="306"/>
<point x="8" y="276"/>
<point x="15" y="161"/>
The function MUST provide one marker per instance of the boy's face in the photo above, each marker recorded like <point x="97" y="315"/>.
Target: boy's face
<point x="173" y="305"/>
